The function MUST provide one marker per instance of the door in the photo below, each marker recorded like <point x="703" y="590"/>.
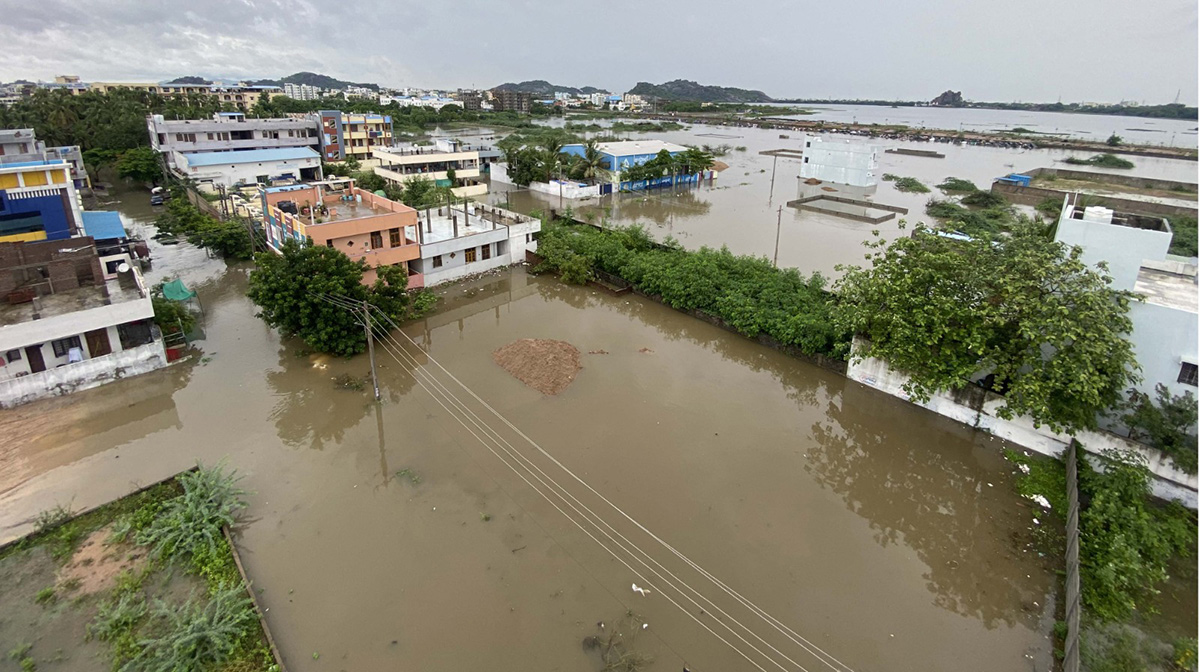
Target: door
<point x="34" y="354"/>
<point x="97" y="343"/>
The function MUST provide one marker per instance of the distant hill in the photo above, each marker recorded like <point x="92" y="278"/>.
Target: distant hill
<point x="540" y="87"/>
<point x="190" y="80"/>
<point x="314" y="79"/>
<point x="949" y="99"/>
<point x="682" y="89"/>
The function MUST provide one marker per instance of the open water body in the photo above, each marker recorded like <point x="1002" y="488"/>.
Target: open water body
<point x="1093" y="127"/>
<point x="741" y="209"/>
<point x="887" y="536"/>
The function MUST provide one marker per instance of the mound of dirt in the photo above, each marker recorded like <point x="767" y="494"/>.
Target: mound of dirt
<point x="547" y="366"/>
<point x="96" y="564"/>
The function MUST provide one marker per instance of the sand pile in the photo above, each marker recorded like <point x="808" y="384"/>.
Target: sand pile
<point x="547" y="366"/>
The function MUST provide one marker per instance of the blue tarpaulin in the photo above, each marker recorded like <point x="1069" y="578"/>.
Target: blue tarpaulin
<point x="103" y="225"/>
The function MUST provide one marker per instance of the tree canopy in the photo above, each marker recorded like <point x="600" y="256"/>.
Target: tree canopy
<point x="1021" y="307"/>
<point x="285" y="287"/>
<point x="139" y="164"/>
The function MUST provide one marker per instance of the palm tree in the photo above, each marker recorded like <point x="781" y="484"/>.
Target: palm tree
<point x="592" y="162"/>
<point x="551" y="158"/>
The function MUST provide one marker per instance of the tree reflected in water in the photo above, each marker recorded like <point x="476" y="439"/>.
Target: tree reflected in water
<point x="924" y="481"/>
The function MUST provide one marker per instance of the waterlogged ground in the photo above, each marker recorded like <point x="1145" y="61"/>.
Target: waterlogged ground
<point x="740" y="208"/>
<point x="386" y="536"/>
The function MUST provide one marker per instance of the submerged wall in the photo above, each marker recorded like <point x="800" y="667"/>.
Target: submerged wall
<point x="978" y="408"/>
<point x="82" y="375"/>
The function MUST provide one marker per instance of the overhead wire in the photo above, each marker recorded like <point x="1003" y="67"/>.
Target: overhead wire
<point x="558" y="490"/>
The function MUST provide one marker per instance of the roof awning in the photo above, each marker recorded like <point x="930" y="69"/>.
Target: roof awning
<point x="103" y="225"/>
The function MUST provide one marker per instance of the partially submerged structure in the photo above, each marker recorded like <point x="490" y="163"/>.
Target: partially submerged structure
<point x="840" y="161"/>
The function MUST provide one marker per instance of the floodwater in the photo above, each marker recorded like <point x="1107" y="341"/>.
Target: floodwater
<point x="745" y="208"/>
<point x="1093" y="127"/>
<point x="888" y="536"/>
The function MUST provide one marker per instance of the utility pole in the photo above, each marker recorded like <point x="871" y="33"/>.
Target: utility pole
<point x="370" y="346"/>
<point x="773" y="164"/>
<point x="778" y="225"/>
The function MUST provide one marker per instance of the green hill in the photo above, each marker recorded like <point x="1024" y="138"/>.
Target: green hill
<point x="540" y="87"/>
<point x="314" y="79"/>
<point x="683" y="89"/>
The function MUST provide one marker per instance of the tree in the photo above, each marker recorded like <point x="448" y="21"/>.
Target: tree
<point x="452" y="176"/>
<point x="368" y="180"/>
<point x="171" y="316"/>
<point x="590" y="165"/>
<point x="1020" y="307"/>
<point x="286" y="288"/>
<point x="695" y="160"/>
<point x="140" y="164"/>
<point x="1114" y="140"/>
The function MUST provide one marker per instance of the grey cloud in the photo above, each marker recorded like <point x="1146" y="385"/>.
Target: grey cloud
<point x="1023" y="50"/>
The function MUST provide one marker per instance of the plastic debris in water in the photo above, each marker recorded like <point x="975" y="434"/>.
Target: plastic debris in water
<point x="1024" y="468"/>
<point x="642" y="591"/>
<point x="1040" y="500"/>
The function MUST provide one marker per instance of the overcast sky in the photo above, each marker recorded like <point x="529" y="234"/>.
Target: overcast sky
<point x="1028" y="50"/>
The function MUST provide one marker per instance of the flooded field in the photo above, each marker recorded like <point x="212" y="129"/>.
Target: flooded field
<point x="400" y="536"/>
<point x="741" y="208"/>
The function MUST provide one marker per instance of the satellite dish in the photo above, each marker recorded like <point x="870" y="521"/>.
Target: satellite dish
<point x="123" y="268"/>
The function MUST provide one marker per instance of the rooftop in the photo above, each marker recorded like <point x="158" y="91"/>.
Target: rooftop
<point x="103" y="224"/>
<point x="478" y="219"/>
<point x="1170" y="290"/>
<point x="249" y="156"/>
<point x="634" y="147"/>
<point x="121" y="289"/>
<point x="33" y="164"/>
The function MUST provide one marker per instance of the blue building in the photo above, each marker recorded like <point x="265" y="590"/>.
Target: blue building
<point x="620" y="155"/>
<point x="38" y="201"/>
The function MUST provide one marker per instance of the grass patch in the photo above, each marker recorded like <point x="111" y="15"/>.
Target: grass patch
<point x="1183" y="240"/>
<point x="412" y="476"/>
<point x="179" y="523"/>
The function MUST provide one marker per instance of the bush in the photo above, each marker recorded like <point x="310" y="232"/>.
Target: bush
<point x="748" y="293"/>
<point x="1125" y="543"/>
<point x="1101" y="160"/>
<point x="1165" y="423"/>
<point x="200" y="634"/>
<point x="957" y="185"/>
<point x="1183" y="239"/>
<point x="984" y="199"/>
<point x="191" y="523"/>
<point x="973" y="222"/>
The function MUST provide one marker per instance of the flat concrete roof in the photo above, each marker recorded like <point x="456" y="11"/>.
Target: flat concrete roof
<point x="635" y="147"/>
<point x="120" y="290"/>
<point x="1170" y="290"/>
<point x="249" y="156"/>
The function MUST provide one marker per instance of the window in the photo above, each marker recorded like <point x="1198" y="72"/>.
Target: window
<point x="469" y="255"/>
<point x="210" y="137"/>
<point x="329" y="243"/>
<point x="62" y="345"/>
<point x="1187" y="374"/>
<point x="394" y="238"/>
<point x="486" y="251"/>
<point x="376" y="240"/>
<point x="437" y="261"/>
<point x="13" y="356"/>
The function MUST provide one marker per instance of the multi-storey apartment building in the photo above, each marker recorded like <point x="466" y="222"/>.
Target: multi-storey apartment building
<point x="20" y="145"/>
<point x="345" y="135"/>
<point x="302" y="91"/>
<point x="398" y="164"/>
<point x="229" y="131"/>
<point x="39" y="201"/>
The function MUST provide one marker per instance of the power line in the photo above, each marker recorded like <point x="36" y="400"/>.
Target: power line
<point x="393" y="345"/>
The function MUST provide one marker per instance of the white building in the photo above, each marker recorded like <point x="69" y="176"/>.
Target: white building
<point x="250" y="166"/>
<point x="1165" y="320"/>
<point x="432" y="102"/>
<point x="230" y="131"/>
<point x="64" y="326"/>
<point x="471" y="238"/>
<point x="302" y="91"/>
<point x="403" y="162"/>
<point x="840" y="161"/>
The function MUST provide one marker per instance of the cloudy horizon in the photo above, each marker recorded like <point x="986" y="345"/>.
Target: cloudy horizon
<point x="1074" y="51"/>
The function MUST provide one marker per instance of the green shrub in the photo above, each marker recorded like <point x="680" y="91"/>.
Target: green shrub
<point x="1183" y="239"/>
<point x="1183" y="654"/>
<point x="117" y="616"/>
<point x="1166" y="423"/>
<point x="1101" y="160"/>
<point x="957" y="185"/>
<point x="748" y="293"/>
<point x="192" y="522"/>
<point x="984" y="199"/>
<point x="1125" y="543"/>
<point x="200" y="634"/>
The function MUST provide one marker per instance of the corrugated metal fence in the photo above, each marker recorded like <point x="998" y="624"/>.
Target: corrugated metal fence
<point x="1071" y="647"/>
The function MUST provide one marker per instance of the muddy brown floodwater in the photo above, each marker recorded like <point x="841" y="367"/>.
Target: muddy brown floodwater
<point x="392" y="536"/>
